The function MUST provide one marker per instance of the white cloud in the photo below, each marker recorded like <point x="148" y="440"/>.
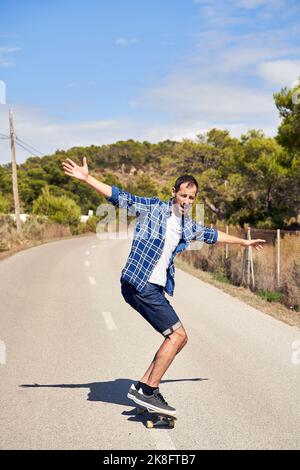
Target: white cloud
<point x="133" y="103"/>
<point x="280" y="72"/>
<point x="204" y="2"/>
<point x="122" y="41"/>
<point x="224" y="51"/>
<point x="190" y="129"/>
<point x="48" y="133"/>
<point x="6" y="50"/>
<point x="7" y="62"/>
<point x="249" y="4"/>
<point x="221" y="14"/>
<point x="187" y="98"/>
<point x="220" y="84"/>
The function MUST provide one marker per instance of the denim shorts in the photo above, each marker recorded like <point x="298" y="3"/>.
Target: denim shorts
<point x="152" y="304"/>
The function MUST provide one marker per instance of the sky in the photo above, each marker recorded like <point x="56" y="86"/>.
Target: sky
<point x="93" y="72"/>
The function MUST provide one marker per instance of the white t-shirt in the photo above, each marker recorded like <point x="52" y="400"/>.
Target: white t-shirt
<point x="173" y="235"/>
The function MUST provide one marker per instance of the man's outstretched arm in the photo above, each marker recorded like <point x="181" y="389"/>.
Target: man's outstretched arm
<point x="120" y="198"/>
<point x="225" y="238"/>
<point x="82" y="173"/>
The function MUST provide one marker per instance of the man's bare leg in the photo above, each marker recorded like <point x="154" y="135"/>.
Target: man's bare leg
<point x="147" y="374"/>
<point x="164" y="357"/>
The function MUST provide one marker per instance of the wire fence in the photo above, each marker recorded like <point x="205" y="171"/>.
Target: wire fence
<point x="273" y="272"/>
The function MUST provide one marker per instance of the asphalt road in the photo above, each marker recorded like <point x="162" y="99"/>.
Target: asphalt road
<point x="73" y="347"/>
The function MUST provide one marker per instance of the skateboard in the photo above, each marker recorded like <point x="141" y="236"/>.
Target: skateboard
<point x="162" y="419"/>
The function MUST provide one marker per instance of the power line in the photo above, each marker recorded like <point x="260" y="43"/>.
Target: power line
<point x="26" y="149"/>
<point x="27" y="145"/>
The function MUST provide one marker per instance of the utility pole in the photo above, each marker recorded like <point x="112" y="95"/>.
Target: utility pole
<point x="14" y="173"/>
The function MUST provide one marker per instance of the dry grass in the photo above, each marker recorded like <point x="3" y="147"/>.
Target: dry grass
<point x="35" y="231"/>
<point x="275" y="309"/>
<point x="212" y="259"/>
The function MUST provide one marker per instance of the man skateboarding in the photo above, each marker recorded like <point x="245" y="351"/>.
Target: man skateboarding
<point x="163" y="229"/>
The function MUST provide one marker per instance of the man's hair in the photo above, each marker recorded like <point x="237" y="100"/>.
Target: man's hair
<point x="185" y="179"/>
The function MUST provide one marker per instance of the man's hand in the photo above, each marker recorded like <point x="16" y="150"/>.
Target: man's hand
<point x="257" y="244"/>
<point x="72" y="169"/>
<point x="226" y="238"/>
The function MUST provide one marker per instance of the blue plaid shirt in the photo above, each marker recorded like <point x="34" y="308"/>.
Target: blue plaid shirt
<point x="149" y="236"/>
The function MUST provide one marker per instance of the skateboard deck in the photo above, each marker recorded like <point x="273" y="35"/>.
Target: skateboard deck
<point x="159" y="418"/>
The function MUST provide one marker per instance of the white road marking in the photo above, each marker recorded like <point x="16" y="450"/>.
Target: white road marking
<point x="87" y="263"/>
<point x="87" y="253"/>
<point x="162" y="439"/>
<point x="92" y="281"/>
<point x="110" y="324"/>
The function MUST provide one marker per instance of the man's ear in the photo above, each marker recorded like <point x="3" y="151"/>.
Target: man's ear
<point x="173" y="191"/>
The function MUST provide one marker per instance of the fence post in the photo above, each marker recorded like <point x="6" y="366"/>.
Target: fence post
<point x="278" y="259"/>
<point x="248" y="258"/>
<point x="226" y="245"/>
<point x="250" y="268"/>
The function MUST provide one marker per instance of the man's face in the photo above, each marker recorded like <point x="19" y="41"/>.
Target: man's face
<point x="184" y="198"/>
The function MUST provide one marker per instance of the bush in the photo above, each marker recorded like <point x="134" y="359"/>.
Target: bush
<point x="5" y="204"/>
<point x="61" y="210"/>
<point x="8" y="232"/>
<point x="270" y="296"/>
<point x="221" y="277"/>
<point x="5" y="245"/>
<point x="91" y="224"/>
<point x="32" y="228"/>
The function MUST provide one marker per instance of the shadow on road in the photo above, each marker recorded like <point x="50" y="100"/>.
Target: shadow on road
<point x="114" y="391"/>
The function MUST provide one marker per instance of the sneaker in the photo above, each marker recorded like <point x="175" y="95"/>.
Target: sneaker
<point x="132" y="392"/>
<point x="155" y="402"/>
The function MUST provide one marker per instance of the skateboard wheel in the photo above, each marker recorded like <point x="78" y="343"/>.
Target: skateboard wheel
<point x="149" y="424"/>
<point x="172" y="423"/>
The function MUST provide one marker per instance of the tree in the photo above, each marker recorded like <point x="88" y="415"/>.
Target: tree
<point x="263" y="177"/>
<point x="288" y="104"/>
<point x="145" y="186"/>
